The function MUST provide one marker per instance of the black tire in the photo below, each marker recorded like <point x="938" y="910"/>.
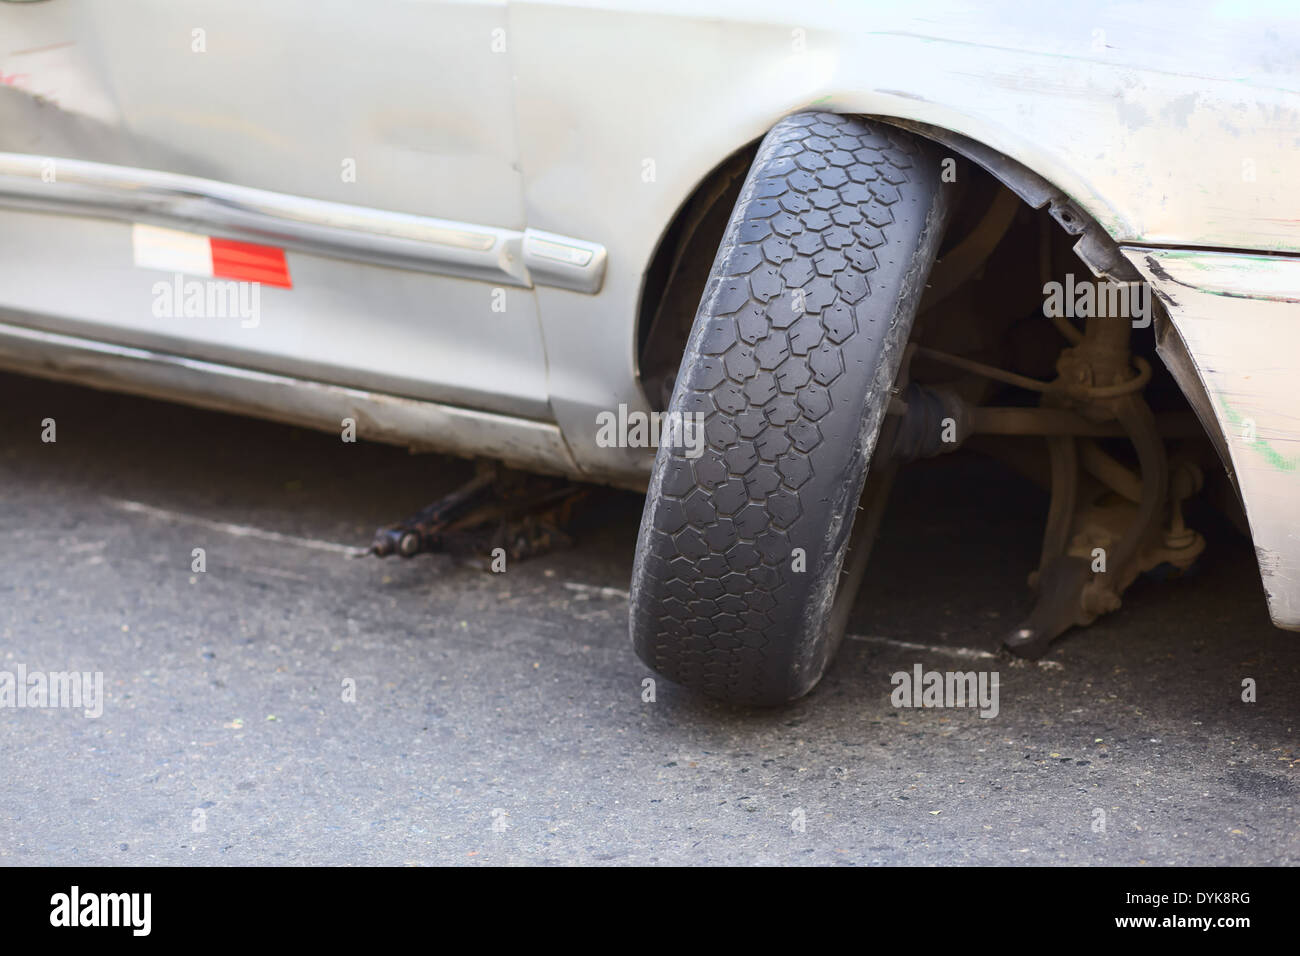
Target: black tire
<point x="850" y="212"/>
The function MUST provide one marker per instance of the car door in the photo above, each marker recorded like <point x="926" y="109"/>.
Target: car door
<point x="363" y="152"/>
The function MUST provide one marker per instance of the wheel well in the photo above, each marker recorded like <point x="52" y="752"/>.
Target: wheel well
<point x="987" y="290"/>
<point x="674" y="283"/>
<point x="679" y="270"/>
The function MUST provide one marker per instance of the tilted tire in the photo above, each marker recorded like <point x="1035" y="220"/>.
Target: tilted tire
<point x="790" y="362"/>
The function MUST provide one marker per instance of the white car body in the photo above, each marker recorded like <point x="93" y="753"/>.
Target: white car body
<point x="471" y="194"/>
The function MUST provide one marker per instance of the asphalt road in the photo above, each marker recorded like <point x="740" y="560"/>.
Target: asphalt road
<point x="498" y="718"/>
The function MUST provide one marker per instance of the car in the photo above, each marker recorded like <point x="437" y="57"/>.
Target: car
<point x="750" y="259"/>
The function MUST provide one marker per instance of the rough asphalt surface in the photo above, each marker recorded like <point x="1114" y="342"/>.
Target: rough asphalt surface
<point x="498" y="718"/>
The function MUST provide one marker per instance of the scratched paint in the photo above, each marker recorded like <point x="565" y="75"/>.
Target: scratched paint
<point x="1264" y="448"/>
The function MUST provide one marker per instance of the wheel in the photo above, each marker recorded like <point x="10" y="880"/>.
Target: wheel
<point x="789" y="366"/>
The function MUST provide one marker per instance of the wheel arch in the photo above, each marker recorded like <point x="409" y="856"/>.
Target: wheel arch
<point x="1096" y="246"/>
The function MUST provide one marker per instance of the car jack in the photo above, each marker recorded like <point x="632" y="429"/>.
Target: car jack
<point x="522" y="514"/>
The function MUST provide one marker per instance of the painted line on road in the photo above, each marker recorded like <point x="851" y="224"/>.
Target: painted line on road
<point x="974" y="653"/>
<point x="237" y="530"/>
<point x="586" y="590"/>
<point x="592" y="590"/>
<point x="968" y="652"/>
<point x="932" y="648"/>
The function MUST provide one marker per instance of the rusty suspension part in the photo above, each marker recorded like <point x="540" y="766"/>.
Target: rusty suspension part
<point x="1106" y="523"/>
<point x="1075" y="389"/>
<point x="922" y="411"/>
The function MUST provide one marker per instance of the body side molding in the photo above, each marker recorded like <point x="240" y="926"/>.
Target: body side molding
<point x="471" y="251"/>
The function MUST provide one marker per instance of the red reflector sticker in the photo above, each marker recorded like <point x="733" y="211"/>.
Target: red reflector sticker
<point x="171" y="250"/>
<point x="249" y="262"/>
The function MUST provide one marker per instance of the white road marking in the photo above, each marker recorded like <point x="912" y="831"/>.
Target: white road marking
<point x="279" y="573"/>
<point x="84" y="546"/>
<point x="932" y="648"/>
<point x="969" y="652"/>
<point x="591" y="590"/>
<point x="237" y="530"/>
<point x="585" y="590"/>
